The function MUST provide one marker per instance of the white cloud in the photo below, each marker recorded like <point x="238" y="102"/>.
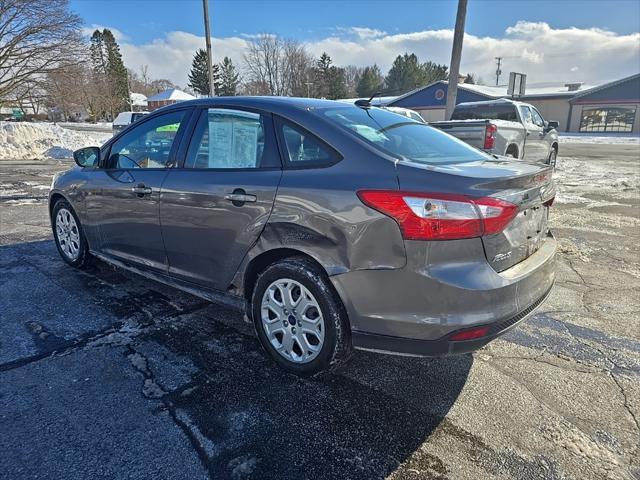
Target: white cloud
<point x="117" y="34"/>
<point x="544" y="53"/>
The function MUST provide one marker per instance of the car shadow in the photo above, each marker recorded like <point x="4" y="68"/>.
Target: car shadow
<point x="245" y="416"/>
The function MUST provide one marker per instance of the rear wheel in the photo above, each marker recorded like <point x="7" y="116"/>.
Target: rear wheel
<point x="68" y="234"/>
<point x="299" y="318"/>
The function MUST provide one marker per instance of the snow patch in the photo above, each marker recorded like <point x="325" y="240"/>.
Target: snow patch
<point x="26" y="141"/>
<point x="629" y="140"/>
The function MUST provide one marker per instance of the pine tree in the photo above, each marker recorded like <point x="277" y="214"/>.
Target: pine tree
<point x="229" y="78"/>
<point x="370" y="81"/>
<point x="116" y="71"/>
<point x="434" y="72"/>
<point x="199" y="76"/>
<point x="405" y="74"/>
<point x="97" y="53"/>
<point x="330" y="80"/>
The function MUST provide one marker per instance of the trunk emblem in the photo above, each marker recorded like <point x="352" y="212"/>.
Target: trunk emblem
<point x="502" y="256"/>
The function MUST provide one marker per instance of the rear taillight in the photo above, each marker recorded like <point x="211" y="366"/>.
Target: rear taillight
<point x="490" y="136"/>
<point x="439" y="216"/>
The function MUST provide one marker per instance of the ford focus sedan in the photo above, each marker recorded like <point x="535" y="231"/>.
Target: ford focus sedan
<point x="333" y="226"/>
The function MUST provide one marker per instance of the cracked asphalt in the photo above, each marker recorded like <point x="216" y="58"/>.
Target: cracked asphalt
<point x="107" y="375"/>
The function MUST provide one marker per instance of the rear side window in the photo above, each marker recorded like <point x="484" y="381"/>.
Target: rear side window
<point x="526" y="115"/>
<point x="482" y="112"/>
<point x="302" y="148"/>
<point x="225" y="139"/>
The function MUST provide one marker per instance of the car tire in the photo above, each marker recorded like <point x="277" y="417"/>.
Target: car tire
<point x="553" y="157"/>
<point x="69" y="236"/>
<point x="300" y="319"/>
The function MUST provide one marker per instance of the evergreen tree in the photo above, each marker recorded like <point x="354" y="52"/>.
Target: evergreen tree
<point x="434" y="72"/>
<point x="405" y="74"/>
<point x="229" y="78"/>
<point x="116" y="71"/>
<point x="470" y="79"/>
<point x="370" y="81"/>
<point x="330" y="80"/>
<point x="97" y="53"/>
<point x="199" y="76"/>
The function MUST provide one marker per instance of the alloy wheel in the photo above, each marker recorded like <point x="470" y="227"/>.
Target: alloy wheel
<point x="292" y="320"/>
<point x="68" y="234"/>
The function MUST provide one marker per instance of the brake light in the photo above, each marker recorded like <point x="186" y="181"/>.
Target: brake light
<point x="490" y="136"/>
<point x="439" y="216"/>
<point x="469" y="334"/>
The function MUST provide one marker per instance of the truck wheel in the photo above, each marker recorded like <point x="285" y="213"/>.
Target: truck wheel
<point x="512" y="151"/>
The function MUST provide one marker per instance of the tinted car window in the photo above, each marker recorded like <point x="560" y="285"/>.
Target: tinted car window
<point x="404" y="139"/>
<point x="226" y="138"/>
<point x="148" y="145"/>
<point x="303" y="148"/>
<point x="490" y="112"/>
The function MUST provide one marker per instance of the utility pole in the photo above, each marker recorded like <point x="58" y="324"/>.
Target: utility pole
<point x="498" y="71"/>
<point x="456" y="54"/>
<point x="207" y="33"/>
<point x="308" y="84"/>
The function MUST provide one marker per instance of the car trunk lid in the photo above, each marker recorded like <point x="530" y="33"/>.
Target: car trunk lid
<point x="529" y="186"/>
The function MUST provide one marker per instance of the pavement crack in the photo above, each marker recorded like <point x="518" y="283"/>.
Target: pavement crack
<point x="153" y="390"/>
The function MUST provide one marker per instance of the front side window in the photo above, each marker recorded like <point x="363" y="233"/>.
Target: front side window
<point x="537" y="118"/>
<point x="147" y="145"/>
<point x="526" y="115"/>
<point x="401" y="138"/>
<point x="225" y="138"/>
<point x="302" y="148"/>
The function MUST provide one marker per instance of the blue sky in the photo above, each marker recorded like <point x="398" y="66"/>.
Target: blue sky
<point x="590" y="40"/>
<point x="145" y="20"/>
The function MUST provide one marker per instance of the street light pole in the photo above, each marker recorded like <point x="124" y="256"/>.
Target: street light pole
<point x="456" y="54"/>
<point x="207" y="33"/>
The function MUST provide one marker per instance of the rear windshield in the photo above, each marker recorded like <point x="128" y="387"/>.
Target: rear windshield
<point x="490" y="112"/>
<point x="401" y="137"/>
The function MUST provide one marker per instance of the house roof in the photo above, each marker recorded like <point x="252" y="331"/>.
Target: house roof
<point x="558" y="89"/>
<point x="171" y="94"/>
<point x="582" y="93"/>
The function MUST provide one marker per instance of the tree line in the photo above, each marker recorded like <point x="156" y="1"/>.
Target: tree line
<point x="277" y="66"/>
<point x="46" y="62"/>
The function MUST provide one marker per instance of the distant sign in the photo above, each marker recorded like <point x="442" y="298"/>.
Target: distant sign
<point x="17" y="114"/>
<point x="517" y="84"/>
<point x="439" y="94"/>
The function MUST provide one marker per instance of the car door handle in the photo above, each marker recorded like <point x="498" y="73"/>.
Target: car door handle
<point x="141" y="190"/>
<point x="237" y="197"/>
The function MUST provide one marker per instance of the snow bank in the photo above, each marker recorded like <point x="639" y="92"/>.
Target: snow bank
<point x="576" y="138"/>
<point x="25" y="141"/>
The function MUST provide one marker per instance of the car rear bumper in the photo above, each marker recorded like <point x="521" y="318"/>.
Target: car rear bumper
<point x="444" y="288"/>
<point x="442" y="346"/>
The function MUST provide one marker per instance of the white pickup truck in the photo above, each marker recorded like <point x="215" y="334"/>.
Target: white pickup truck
<point x="504" y="127"/>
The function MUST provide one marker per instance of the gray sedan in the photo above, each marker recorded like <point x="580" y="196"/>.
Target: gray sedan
<point x="333" y="226"/>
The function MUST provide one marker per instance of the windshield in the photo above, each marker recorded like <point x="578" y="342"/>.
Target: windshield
<point x="403" y="138"/>
<point x="482" y="112"/>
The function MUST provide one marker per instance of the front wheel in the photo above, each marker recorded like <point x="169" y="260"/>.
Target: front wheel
<point x="299" y="318"/>
<point x="68" y="234"/>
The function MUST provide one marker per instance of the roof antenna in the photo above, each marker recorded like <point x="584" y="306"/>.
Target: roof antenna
<point x="366" y="103"/>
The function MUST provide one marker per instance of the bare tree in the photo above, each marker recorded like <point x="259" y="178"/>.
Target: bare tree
<point x="277" y="66"/>
<point x="352" y="76"/>
<point x="298" y="69"/>
<point x="36" y="37"/>
<point x="265" y="63"/>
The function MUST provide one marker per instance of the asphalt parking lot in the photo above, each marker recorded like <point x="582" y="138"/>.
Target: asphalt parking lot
<point x="107" y="375"/>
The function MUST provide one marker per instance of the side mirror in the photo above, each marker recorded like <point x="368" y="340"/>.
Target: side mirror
<point x="88" y="157"/>
<point x="552" y="124"/>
